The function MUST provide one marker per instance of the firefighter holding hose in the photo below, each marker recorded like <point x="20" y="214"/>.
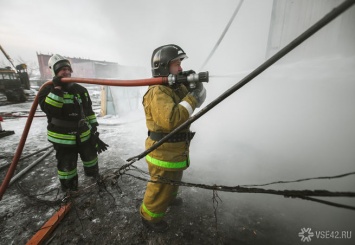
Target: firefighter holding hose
<point x="72" y="125"/>
<point x="166" y="107"/>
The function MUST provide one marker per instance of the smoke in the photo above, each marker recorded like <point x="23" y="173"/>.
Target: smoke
<point x="295" y="120"/>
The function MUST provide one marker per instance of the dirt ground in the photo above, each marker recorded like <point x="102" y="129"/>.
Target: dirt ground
<point x="108" y="213"/>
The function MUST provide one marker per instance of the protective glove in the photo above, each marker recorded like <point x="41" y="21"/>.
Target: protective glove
<point x="98" y="143"/>
<point x="57" y="82"/>
<point x="189" y="72"/>
<point x="199" y="93"/>
<point x="181" y="77"/>
<point x="101" y="146"/>
<point x="93" y="129"/>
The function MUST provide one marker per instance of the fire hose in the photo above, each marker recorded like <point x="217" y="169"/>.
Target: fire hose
<point x="166" y="80"/>
<point x="190" y="80"/>
<point x="161" y="80"/>
<point x="171" y="79"/>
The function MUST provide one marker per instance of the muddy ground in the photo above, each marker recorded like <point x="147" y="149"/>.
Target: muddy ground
<point x="108" y="213"/>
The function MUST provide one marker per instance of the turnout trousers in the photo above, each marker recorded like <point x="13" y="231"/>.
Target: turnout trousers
<point x="67" y="158"/>
<point x="158" y="196"/>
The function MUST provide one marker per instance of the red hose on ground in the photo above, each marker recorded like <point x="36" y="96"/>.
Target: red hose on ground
<point x="11" y="170"/>
<point x="137" y="82"/>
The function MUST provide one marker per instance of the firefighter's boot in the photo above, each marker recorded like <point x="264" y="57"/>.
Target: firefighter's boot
<point x="69" y="184"/>
<point x="159" y="227"/>
<point x="176" y="202"/>
<point x="92" y="171"/>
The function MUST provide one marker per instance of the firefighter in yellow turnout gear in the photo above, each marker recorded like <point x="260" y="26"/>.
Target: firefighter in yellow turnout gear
<point x="166" y="107"/>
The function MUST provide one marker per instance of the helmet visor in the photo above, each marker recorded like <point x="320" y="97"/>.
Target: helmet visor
<point x="180" y="57"/>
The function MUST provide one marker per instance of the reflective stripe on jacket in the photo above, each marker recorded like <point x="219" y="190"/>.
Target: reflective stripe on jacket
<point x="68" y="106"/>
<point x="67" y="139"/>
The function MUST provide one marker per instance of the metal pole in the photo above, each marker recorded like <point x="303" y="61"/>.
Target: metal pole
<point x="309" y="32"/>
<point x="22" y="172"/>
<point x="27" y="156"/>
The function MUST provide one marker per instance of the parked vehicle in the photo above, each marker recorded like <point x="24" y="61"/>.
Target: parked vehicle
<point x="13" y="83"/>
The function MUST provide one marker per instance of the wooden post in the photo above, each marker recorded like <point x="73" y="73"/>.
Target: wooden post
<point x="103" y="110"/>
<point x="49" y="226"/>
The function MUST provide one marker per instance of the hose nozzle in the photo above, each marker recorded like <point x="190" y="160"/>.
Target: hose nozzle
<point x="190" y="79"/>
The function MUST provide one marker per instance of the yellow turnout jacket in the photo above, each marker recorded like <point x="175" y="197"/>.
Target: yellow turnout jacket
<point x="165" y="109"/>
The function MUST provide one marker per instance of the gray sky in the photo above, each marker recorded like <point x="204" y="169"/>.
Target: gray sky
<point x="127" y="31"/>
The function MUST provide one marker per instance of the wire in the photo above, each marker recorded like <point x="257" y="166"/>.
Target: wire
<point x="300" y="180"/>
<point x="223" y="34"/>
<point x="302" y="194"/>
<point x="329" y="203"/>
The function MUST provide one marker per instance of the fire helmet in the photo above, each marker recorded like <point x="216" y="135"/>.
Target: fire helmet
<point x="56" y="62"/>
<point x="162" y="56"/>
